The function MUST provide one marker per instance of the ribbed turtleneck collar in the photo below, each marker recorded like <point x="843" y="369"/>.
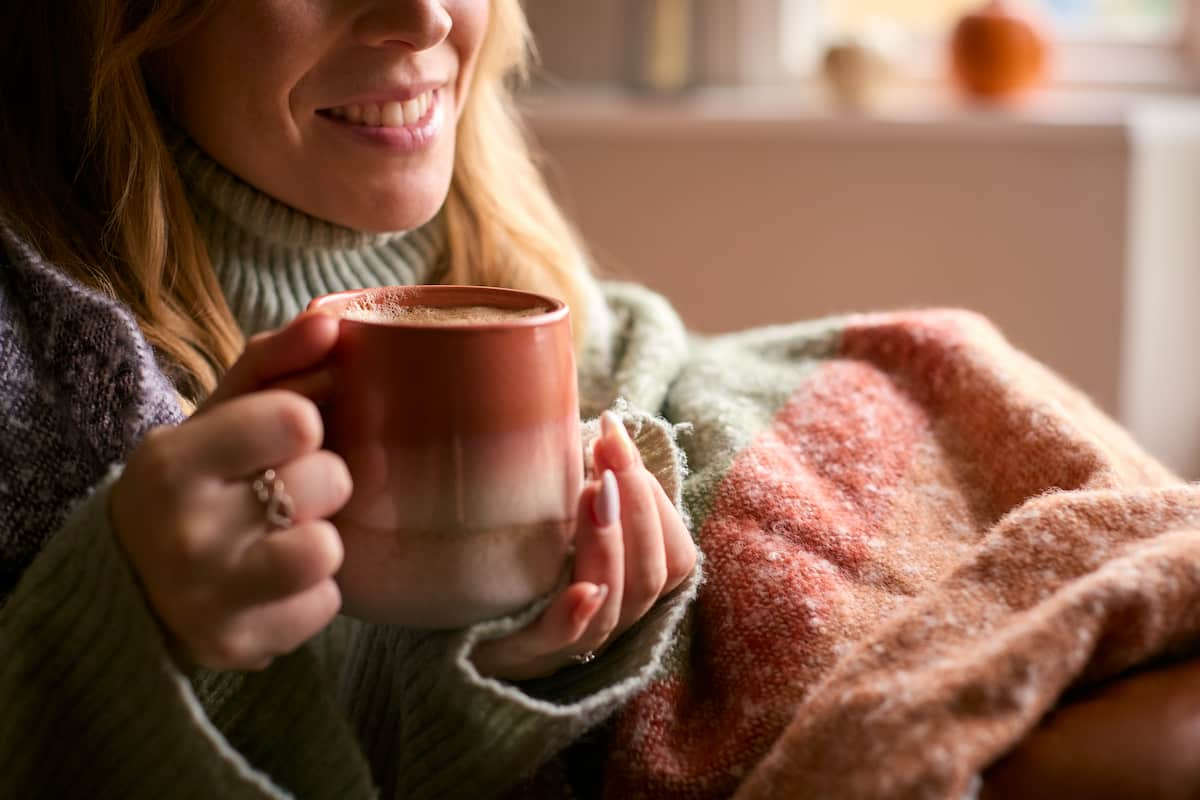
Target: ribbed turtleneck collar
<point x="272" y="259"/>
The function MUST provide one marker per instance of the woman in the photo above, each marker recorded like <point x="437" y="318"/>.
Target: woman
<point x="181" y="175"/>
<point x="351" y="121"/>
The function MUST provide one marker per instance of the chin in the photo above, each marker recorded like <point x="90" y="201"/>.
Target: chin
<point x="394" y="211"/>
<point x="399" y="198"/>
<point x="377" y="222"/>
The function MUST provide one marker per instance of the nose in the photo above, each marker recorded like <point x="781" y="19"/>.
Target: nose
<point x="417" y="24"/>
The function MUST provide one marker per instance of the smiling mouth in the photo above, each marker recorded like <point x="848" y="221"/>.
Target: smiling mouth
<point x="392" y="114"/>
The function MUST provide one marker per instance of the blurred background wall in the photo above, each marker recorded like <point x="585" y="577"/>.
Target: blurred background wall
<point x="1069" y="218"/>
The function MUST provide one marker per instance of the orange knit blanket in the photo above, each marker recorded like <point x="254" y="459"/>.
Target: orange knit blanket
<point x="917" y="539"/>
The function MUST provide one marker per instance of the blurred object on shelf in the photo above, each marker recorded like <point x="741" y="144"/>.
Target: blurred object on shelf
<point x="858" y="68"/>
<point x="1139" y="21"/>
<point x="997" y="53"/>
<point x="855" y="73"/>
<point x="662" y="37"/>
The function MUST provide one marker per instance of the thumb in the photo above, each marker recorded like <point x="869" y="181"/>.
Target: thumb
<point x="299" y="346"/>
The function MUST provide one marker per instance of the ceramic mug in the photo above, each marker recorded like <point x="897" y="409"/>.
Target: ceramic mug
<point x="463" y="444"/>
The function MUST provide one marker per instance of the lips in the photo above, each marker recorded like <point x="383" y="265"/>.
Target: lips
<point x="388" y="114"/>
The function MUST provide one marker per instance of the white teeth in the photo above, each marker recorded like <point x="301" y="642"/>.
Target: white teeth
<point x="392" y="114"/>
<point x="412" y="111"/>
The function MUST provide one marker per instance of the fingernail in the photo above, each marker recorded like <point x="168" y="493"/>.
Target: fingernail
<point x="600" y="592"/>
<point x="606" y="507"/>
<point x="611" y="428"/>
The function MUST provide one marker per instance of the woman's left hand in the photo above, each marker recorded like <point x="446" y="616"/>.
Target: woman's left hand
<point x="631" y="548"/>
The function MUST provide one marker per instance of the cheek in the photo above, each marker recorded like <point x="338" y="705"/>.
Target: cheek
<point x="471" y="18"/>
<point x="240" y="64"/>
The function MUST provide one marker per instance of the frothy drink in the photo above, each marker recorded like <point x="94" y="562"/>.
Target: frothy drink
<point x="438" y="315"/>
<point x="456" y="411"/>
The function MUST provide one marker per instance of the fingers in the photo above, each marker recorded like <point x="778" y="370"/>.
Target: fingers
<point x="538" y="648"/>
<point x="317" y="385"/>
<point x="259" y="634"/>
<point x="645" y="556"/>
<point x="678" y="546"/>
<point x="286" y="562"/>
<point x="580" y="617"/>
<point x="231" y="595"/>
<point x="249" y="434"/>
<point x="271" y="357"/>
<point x="630" y="538"/>
<point x="289" y="560"/>
<point x="318" y="485"/>
<point x="600" y="554"/>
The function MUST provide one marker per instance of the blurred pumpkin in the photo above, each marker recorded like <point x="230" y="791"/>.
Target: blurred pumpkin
<point x="996" y="52"/>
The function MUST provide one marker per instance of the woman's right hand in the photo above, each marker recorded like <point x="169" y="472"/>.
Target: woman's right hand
<point x="231" y="593"/>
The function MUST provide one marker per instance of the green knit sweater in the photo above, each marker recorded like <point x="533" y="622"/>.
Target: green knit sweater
<point x="360" y="710"/>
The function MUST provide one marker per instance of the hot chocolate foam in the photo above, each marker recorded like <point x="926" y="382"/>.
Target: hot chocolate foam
<point x="399" y="314"/>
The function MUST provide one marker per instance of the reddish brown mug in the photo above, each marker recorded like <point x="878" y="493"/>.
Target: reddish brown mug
<point x="463" y="444"/>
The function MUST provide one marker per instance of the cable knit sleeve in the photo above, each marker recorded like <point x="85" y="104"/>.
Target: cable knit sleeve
<point x="93" y="706"/>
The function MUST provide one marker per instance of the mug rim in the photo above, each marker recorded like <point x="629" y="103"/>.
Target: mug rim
<point x="337" y="302"/>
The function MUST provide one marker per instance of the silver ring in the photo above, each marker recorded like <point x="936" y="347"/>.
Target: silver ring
<point x="271" y="492"/>
<point x="584" y="658"/>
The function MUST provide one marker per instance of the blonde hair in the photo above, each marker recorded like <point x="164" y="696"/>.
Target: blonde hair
<point x="504" y="227"/>
<point x="107" y="205"/>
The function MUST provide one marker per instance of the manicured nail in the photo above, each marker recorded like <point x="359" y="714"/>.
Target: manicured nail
<point x="606" y="507"/>
<point x="611" y="428"/>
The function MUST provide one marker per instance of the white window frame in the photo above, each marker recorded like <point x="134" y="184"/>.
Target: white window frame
<point x="732" y="51"/>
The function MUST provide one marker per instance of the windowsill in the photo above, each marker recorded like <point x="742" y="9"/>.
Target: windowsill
<point x="1076" y="117"/>
<point x="1088" y="66"/>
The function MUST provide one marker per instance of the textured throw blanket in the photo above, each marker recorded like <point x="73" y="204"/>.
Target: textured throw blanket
<point x="916" y="539"/>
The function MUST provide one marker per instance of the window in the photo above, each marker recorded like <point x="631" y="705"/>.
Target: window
<point x="1122" y="42"/>
<point x="1130" y="20"/>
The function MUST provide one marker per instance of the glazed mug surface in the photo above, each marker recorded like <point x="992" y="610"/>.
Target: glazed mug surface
<point x="462" y="439"/>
